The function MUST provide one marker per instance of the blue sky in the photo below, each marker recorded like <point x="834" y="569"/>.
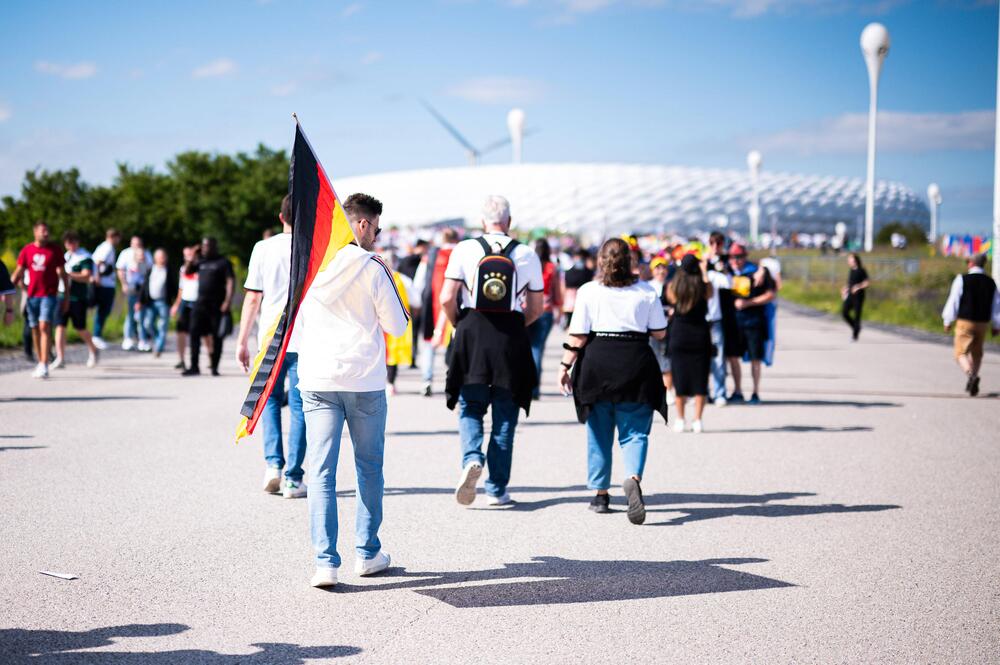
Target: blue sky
<point x="692" y="82"/>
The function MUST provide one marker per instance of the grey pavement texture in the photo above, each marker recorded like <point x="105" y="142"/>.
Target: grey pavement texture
<point x="851" y="518"/>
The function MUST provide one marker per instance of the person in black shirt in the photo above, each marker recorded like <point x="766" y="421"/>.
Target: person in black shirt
<point x="579" y="274"/>
<point x="408" y="266"/>
<point x="753" y="288"/>
<point x="854" y="294"/>
<point x="211" y="316"/>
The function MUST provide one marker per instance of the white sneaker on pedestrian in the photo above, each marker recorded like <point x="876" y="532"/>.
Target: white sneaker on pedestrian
<point x="671" y="397"/>
<point x="502" y="500"/>
<point x="696" y="427"/>
<point x="720" y="401"/>
<point x="466" y="492"/>
<point x="128" y="344"/>
<point x="41" y="371"/>
<point x="272" y="479"/>
<point x="57" y="363"/>
<point x="92" y="359"/>
<point x="377" y="564"/>
<point x="293" y="489"/>
<point x="145" y="347"/>
<point x="324" y="577"/>
<point x="100" y="343"/>
<point x="679" y="425"/>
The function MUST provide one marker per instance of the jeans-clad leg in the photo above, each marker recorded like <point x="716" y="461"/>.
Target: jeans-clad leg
<point x="500" y="452"/>
<point x="366" y="414"/>
<point x="131" y="319"/>
<point x="427" y="362"/>
<point x="274" y="453"/>
<point x="634" y="422"/>
<point x="473" y="400"/>
<point x="297" y="423"/>
<point x="600" y="439"/>
<point x="324" y="413"/>
<point x="718" y="362"/>
<point x="105" y="301"/>
<point x="538" y="333"/>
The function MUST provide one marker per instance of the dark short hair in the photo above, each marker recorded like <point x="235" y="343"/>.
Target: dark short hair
<point x="716" y="236"/>
<point x="614" y="262"/>
<point x="40" y="222"/>
<point x="449" y="235"/>
<point x="543" y="250"/>
<point x="112" y="232"/>
<point x="362" y="206"/>
<point x="422" y="243"/>
<point x="71" y="236"/>
<point x="979" y="260"/>
<point x="286" y="209"/>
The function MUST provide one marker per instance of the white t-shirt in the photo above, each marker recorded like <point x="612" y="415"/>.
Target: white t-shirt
<point x="188" y="285"/>
<point x="136" y="267"/>
<point x="464" y="263"/>
<point x="105" y="253"/>
<point x="158" y="282"/>
<point x="602" y="308"/>
<point x="718" y="280"/>
<point x="268" y="273"/>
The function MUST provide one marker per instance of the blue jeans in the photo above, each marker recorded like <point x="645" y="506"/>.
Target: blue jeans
<point x="325" y="414"/>
<point x="133" y="320"/>
<point x="473" y="400"/>
<point x="634" y="422"/>
<point x="158" y="314"/>
<point x="538" y="333"/>
<point x="105" y="296"/>
<point x="42" y="308"/>
<point x="426" y="354"/>
<point x="273" y="449"/>
<point x="718" y="364"/>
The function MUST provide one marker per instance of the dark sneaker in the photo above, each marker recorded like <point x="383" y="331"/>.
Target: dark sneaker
<point x="180" y="366"/>
<point x="974" y="386"/>
<point x="191" y="371"/>
<point x="736" y="398"/>
<point x="754" y="399"/>
<point x="215" y="371"/>
<point x="601" y="504"/>
<point x="636" y="506"/>
<point x="427" y="392"/>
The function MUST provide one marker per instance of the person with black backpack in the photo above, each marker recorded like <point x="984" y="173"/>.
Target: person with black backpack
<point x="492" y="292"/>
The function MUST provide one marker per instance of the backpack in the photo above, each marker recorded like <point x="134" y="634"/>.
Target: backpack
<point x="496" y="280"/>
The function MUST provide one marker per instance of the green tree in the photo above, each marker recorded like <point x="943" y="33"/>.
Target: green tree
<point x="914" y="233"/>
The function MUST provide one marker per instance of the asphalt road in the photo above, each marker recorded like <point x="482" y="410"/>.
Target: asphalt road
<point x="851" y="518"/>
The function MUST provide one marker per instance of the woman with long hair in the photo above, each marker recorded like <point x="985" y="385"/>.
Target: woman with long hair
<point x="690" y="338"/>
<point x="538" y="331"/>
<point x="854" y="294"/>
<point x="609" y="367"/>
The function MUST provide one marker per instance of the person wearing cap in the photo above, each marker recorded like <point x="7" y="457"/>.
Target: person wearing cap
<point x="662" y="274"/>
<point x="690" y="338"/>
<point x="753" y="288"/>
<point x="609" y="367"/>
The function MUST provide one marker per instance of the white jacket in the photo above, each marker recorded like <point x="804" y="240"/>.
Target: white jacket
<point x="343" y="317"/>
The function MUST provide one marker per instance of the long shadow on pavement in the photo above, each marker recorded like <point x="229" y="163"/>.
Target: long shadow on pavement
<point x="574" y="581"/>
<point x="772" y="510"/>
<point x="454" y="430"/>
<point x="4" y="448"/>
<point x="54" y="646"/>
<point x="84" y="398"/>
<point x="826" y="402"/>
<point x="798" y="429"/>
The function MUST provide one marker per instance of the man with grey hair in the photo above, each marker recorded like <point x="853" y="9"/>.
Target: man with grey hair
<point x="492" y="291"/>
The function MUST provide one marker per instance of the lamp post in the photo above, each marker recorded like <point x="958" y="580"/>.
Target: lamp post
<point x="754" y="161"/>
<point x="934" y="196"/>
<point x="515" y="123"/>
<point x="874" y="47"/>
<point x="996" y="185"/>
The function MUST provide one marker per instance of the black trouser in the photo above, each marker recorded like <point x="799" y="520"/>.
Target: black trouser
<point x="852" y="311"/>
<point x="391" y="371"/>
<point x="205" y="320"/>
<point x="416" y="338"/>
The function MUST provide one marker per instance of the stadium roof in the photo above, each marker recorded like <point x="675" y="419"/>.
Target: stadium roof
<point x="625" y="197"/>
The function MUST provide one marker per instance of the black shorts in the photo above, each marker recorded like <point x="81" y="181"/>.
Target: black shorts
<point x="753" y="341"/>
<point x="77" y="315"/>
<point x="184" y="316"/>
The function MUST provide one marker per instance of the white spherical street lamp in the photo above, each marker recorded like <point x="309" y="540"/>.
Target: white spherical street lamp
<point x="754" y="161"/>
<point x="934" y="196"/>
<point x="874" y="48"/>
<point x="515" y="123"/>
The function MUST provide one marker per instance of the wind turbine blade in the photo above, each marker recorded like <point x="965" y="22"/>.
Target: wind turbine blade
<point x="451" y="129"/>
<point x="499" y="143"/>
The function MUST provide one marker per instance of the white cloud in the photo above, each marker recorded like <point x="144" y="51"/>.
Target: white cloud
<point x="897" y="132"/>
<point x="371" y="58"/>
<point x="75" y="71"/>
<point x="284" y="89"/>
<point x="216" y="68"/>
<point x="5" y="112"/>
<point x="498" y="90"/>
<point x="351" y="9"/>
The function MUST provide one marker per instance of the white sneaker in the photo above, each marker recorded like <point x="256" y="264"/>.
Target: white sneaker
<point x="671" y="397"/>
<point x="291" y="489"/>
<point x="679" y="425"/>
<point x="100" y="343"/>
<point x="145" y="347"/>
<point x="465" y="494"/>
<point x="57" y="363"/>
<point x="41" y="371"/>
<point x="324" y="577"/>
<point x="92" y="359"/>
<point x="696" y="427"/>
<point x="128" y="344"/>
<point x="272" y="479"/>
<point x="502" y="500"/>
<point x="377" y="564"/>
<point x="720" y="401"/>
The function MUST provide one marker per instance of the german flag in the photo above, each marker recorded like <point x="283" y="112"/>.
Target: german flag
<point x="319" y="230"/>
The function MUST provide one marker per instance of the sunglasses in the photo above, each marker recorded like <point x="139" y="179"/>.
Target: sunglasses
<point x="377" y="231"/>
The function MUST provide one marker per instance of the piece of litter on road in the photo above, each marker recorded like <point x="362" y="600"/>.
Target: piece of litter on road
<point x="62" y="576"/>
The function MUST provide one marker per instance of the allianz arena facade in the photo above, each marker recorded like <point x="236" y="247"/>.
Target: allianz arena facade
<point x="617" y="198"/>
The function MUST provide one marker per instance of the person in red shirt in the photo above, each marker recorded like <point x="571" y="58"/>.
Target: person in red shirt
<point x="42" y="261"/>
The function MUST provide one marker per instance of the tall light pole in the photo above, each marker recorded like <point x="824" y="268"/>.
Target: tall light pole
<point x="996" y="183"/>
<point x="754" y="161"/>
<point x="934" y="196"/>
<point x="874" y="47"/>
<point x="515" y="123"/>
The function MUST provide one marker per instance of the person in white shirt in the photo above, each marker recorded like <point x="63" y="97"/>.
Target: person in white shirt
<point x="134" y="264"/>
<point x="345" y="315"/>
<point x="187" y="296"/>
<point x="491" y="366"/>
<point x="105" y="257"/>
<point x="609" y="367"/>
<point x="267" y="293"/>
<point x="79" y="269"/>
<point x="973" y="307"/>
<point x="157" y="292"/>
<point x="719" y="280"/>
